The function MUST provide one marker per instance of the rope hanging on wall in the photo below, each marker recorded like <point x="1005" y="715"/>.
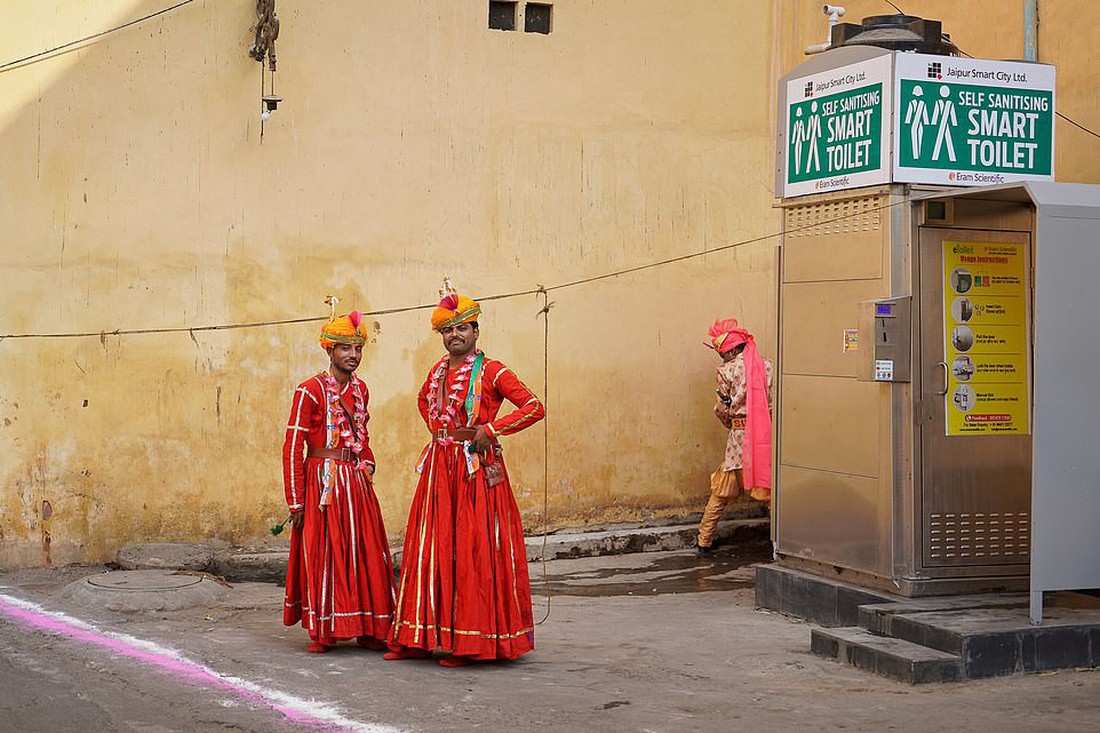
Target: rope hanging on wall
<point x="547" y="304"/>
<point x="267" y="30"/>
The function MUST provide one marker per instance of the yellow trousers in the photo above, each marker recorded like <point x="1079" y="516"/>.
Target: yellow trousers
<point x="724" y="486"/>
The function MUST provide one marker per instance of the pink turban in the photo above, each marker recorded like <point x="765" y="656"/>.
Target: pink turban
<point x="725" y="335"/>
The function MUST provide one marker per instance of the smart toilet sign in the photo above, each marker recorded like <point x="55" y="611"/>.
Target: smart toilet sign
<point x="917" y="118"/>
<point x="972" y="122"/>
<point x="837" y="128"/>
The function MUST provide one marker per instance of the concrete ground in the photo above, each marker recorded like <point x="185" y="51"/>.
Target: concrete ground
<point x="661" y="641"/>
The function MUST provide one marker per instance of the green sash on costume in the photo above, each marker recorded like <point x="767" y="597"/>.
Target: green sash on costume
<point x="473" y="394"/>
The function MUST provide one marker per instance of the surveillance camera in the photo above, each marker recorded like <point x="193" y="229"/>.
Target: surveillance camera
<point x="833" y="10"/>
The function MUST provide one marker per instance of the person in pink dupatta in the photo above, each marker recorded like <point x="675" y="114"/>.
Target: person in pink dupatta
<point x="744" y="406"/>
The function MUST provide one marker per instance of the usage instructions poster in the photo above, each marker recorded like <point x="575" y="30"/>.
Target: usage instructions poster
<point x="986" y="337"/>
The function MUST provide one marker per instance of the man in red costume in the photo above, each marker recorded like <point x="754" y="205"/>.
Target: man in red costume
<point x="744" y="406"/>
<point x="339" y="581"/>
<point x="464" y="585"/>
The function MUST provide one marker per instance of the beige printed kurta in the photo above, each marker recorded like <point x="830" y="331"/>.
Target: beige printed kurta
<point x="732" y="384"/>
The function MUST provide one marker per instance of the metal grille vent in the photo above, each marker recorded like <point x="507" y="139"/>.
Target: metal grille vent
<point x="835" y="217"/>
<point x="980" y="536"/>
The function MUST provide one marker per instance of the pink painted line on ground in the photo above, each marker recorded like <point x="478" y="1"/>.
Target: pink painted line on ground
<point x="180" y="667"/>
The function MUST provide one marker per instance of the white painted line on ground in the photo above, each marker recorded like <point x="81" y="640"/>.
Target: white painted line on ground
<point x="309" y="713"/>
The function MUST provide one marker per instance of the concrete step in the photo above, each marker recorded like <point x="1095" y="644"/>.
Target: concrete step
<point x="821" y="601"/>
<point x="894" y="658"/>
<point x="878" y="618"/>
<point x="269" y="564"/>
<point x="619" y="540"/>
<point x="936" y="638"/>
<point x="998" y="640"/>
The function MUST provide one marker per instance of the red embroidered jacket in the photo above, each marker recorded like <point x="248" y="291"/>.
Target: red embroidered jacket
<point x="308" y="426"/>
<point x="498" y="384"/>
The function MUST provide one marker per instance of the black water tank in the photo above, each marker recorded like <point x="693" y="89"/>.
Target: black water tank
<point x="897" y="33"/>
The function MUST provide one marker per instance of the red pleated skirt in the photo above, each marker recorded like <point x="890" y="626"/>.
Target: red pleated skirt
<point x="339" y="580"/>
<point x="464" y="583"/>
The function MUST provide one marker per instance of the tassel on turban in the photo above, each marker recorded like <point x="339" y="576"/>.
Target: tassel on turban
<point x="347" y="329"/>
<point x="453" y="308"/>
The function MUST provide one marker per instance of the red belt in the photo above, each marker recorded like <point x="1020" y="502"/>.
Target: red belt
<point x="336" y="454"/>
<point x="458" y="434"/>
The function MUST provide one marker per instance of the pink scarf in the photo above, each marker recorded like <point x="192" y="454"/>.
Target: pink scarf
<point x="757" y="450"/>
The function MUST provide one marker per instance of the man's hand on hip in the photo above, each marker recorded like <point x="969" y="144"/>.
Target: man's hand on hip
<point x="481" y="441"/>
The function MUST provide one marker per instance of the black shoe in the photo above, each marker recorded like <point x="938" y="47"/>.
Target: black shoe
<point x="703" y="550"/>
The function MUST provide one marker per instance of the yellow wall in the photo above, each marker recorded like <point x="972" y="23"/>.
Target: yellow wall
<point x="414" y="142"/>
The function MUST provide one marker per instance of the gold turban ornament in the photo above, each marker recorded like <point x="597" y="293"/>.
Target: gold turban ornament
<point x="453" y="308"/>
<point x="347" y="329"/>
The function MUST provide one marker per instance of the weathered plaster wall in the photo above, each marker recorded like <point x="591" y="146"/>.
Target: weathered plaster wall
<point x="414" y="142"/>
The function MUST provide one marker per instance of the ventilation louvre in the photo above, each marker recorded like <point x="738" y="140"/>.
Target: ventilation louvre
<point x="835" y="217"/>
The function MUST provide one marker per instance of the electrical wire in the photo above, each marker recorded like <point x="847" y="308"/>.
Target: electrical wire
<point x="1070" y="120"/>
<point x="502" y="296"/>
<point x="48" y="52"/>
<point x="428" y="306"/>
<point x="1078" y="125"/>
<point x="85" y="39"/>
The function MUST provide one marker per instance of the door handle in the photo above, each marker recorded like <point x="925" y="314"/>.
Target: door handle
<point x="944" y="365"/>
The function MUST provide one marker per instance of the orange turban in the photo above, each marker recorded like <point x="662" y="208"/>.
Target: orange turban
<point x="454" y="309"/>
<point x="347" y="329"/>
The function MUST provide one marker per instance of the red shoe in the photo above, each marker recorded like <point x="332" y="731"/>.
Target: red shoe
<point x="368" y="642"/>
<point x="408" y="652"/>
<point x="316" y="647"/>
<point x="454" y="661"/>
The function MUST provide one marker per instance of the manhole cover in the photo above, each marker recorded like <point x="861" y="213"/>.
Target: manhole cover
<point x="143" y="581"/>
<point x="145" y="590"/>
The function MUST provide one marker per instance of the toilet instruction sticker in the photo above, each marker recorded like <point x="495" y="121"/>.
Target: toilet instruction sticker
<point x="972" y="122"/>
<point x="985" y="313"/>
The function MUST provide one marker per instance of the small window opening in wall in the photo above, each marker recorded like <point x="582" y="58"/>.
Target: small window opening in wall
<point x="502" y="15"/>
<point x="536" y="17"/>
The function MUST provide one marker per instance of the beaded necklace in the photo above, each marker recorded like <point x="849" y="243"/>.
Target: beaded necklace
<point x="351" y="435"/>
<point x="444" y="411"/>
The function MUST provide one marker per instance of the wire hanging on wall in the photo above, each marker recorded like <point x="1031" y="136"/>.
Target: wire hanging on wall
<point x="263" y="48"/>
<point x="710" y="251"/>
